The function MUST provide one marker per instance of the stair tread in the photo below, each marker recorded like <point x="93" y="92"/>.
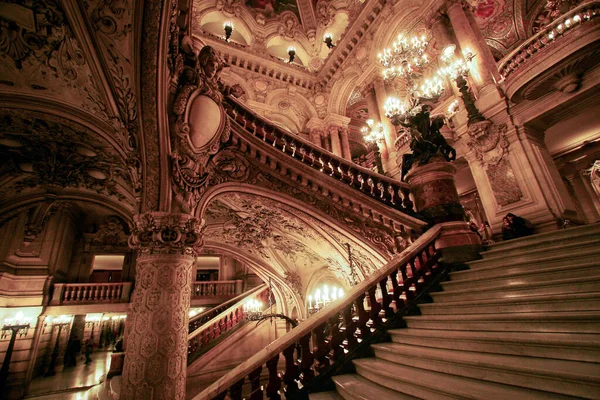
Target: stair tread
<point x="511" y="316"/>
<point x="549" y="243"/>
<point x="502" y="288"/>
<point x="589" y="340"/>
<point x="452" y="384"/>
<point x="546" y="236"/>
<point x="517" y="274"/>
<point x="518" y="300"/>
<point x="567" y="256"/>
<point x="331" y="395"/>
<point x="362" y="388"/>
<point x="566" y="369"/>
<point x="554" y="247"/>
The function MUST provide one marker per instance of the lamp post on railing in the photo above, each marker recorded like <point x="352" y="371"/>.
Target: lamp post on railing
<point x="374" y="134"/>
<point x="60" y="321"/>
<point x="13" y="327"/>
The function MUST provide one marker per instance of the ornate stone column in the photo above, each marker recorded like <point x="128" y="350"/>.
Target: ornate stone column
<point x="390" y="131"/>
<point x="157" y="325"/>
<point x="466" y="30"/>
<point x="346" y="153"/>
<point x="373" y="108"/>
<point x="315" y="136"/>
<point x="336" y="145"/>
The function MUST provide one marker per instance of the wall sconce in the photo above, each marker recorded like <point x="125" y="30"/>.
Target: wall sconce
<point x="228" y="27"/>
<point x="322" y="297"/>
<point x="328" y="40"/>
<point x="292" y="53"/>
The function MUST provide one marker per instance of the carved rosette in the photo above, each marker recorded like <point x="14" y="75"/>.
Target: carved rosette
<point x="166" y="233"/>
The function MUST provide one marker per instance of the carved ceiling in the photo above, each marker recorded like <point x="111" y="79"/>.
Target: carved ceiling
<point x="67" y="91"/>
<point x="290" y="241"/>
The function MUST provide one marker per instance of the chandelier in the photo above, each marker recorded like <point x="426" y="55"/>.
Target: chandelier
<point x="373" y="132"/>
<point x="323" y="296"/>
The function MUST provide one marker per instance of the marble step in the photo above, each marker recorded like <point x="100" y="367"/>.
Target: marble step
<point x="525" y="278"/>
<point x="432" y="385"/>
<point x="547" y="237"/>
<point x="331" y="395"/>
<point x="562" y="346"/>
<point x="573" y="378"/>
<point x="579" y="250"/>
<point x="542" y="241"/>
<point x="565" y="322"/>
<point x="557" y="302"/>
<point x="566" y="263"/>
<point x="354" y="387"/>
<point x="563" y="286"/>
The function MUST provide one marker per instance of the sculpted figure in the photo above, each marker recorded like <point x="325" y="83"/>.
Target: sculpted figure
<point x="201" y="72"/>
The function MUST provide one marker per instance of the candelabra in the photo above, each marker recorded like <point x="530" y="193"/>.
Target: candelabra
<point x="457" y="69"/>
<point x="228" y="28"/>
<point x="323" y="296"/>
<point x="13" y="327"/>
<point x="374" y="134"/>
<point x="60" y="322"/>
<point x="253" y="311"/>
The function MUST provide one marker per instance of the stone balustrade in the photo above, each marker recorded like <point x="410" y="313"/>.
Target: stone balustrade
<point x="216" y="289"/>
<point x="86" y="293"/>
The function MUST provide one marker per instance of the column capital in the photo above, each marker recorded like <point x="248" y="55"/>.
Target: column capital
<point x="166" y="233"/>
<point x="337" y="120"/>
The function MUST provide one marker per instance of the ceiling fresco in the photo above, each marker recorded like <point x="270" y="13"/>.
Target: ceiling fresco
<point x="295" y="245"/>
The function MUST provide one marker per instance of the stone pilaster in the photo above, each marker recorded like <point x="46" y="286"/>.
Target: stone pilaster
<point x="336" y="145"/>
<point x="346" y="153"/>
<point x="157" y="325"/>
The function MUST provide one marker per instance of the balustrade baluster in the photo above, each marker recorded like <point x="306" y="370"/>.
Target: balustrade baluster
<point x="255" y="387"/>
<point x="336" y="338"/>
<point x="363" y="317"/>
<point x="396" y="291"/>
<point x="235" y="393"/>
<point x="322" y="348"/>
<point x="408" y="280"/>
<point x="95" y="293"/>
<point x="307" y="359"/>
<point x="274" y="381"/>
<point x="291" y="371"/>
<point x="77" y="293"/>
<point x="220" y="396"/>
<point x="350" y="328"/>
<point x="67" y="294"/>
<point x="386" y="300"/>
<point x="375" y="308"/>
<point x="406" y="201"/>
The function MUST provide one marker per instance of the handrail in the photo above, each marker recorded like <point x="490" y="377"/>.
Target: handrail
<point x="79" y="293"/>
<point x="198" y="320"/>
<point x="341" y="327"/>
<point x="386" y="190"/>
<point x="579" y="15"/>
<point x="206" y="335"/>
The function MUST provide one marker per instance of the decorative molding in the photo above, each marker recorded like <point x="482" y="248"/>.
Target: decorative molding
<point x="166" y="233"/>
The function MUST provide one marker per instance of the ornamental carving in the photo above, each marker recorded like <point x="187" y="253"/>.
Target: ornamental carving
<point x="199" y="126"/>
<point x="294" y="282"/>
<point x="112" y="232"/>
<point x="488" y="140"/>
<point x="164" y="233"/>
<point x="46" y="152"/>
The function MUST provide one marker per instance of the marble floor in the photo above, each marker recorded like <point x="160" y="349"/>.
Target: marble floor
<point x="71" y="383"/>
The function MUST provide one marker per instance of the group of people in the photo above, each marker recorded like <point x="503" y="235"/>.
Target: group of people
<point x="513" y="227"/>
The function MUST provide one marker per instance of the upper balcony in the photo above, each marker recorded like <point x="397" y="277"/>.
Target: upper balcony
<point x="557" y="58"/>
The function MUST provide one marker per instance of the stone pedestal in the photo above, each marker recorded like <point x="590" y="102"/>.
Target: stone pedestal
<point x="434" y="190"/>
<point x="155" y="364"/>
<point x="436" y="198"/>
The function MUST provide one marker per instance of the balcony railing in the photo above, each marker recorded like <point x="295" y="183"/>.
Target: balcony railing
<point x="86" y="293"/>
<point x="206" y="328"/>
<point x="216" y="289"/>
<point x="329" y="339"/>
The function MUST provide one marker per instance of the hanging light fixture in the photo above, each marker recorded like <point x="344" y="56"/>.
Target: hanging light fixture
<point x="292" y="53"/>
<point x="328" y="40"/>
<point x="228" y="28"/>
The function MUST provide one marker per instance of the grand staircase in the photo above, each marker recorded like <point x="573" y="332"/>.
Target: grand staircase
<point x="521" y="323"/>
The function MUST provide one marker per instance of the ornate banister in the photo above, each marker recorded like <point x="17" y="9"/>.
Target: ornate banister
<point x="385" y="190"/>
<point x="341" y="330"/>
<point x="85" y="293"/>
<point x="581" y="14"/>
<point x="203" y="289"/>
<point x="212" y="324"/>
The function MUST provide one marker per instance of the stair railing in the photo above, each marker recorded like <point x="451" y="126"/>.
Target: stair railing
<point x="207" y="327"/>
<point x="389" y="191"/>
<point x="327" y="341"/>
